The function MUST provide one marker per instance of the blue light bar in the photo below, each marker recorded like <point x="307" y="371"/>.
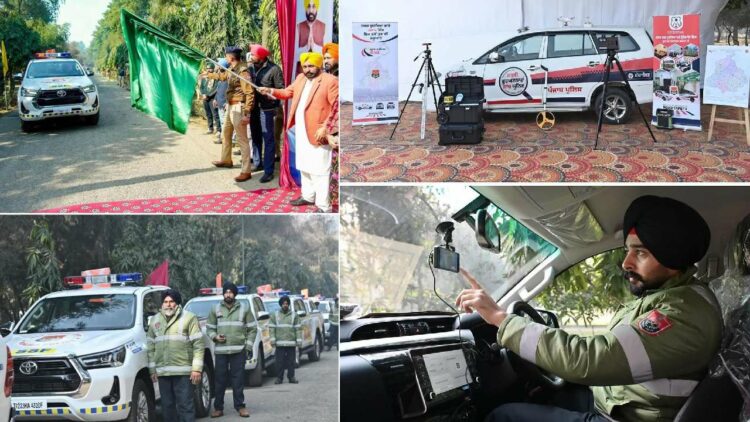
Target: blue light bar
<point x="128" y="277"/>
<point x="242" y="290"/>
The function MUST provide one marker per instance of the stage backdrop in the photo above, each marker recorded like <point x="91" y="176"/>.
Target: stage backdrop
<point x="677" y="70"/>
<point x="304" y="26"/>
<point x="375" y="73"/>
<point x="727" y="76"/>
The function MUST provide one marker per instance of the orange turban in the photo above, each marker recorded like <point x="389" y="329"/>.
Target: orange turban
<point x="332" y="48"/>
<point x="315" y="59"/>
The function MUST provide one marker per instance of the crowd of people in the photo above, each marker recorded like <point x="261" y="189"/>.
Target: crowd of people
<point x="242" y="97"/>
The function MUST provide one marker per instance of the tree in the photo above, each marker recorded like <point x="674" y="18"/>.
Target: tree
<point x="43" y="267"/>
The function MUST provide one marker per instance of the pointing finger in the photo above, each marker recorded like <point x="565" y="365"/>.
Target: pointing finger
<point x="468" y="277"/>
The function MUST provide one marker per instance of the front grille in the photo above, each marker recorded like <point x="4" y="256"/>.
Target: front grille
<point x="55" y="375"/>
<point x="52" y="97"/>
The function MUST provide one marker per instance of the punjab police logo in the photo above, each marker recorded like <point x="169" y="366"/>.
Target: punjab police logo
<point x="654" y="323"/>
<point x="675" y="22"/>
<point x="375" y="73"/>
<point x="513" y="81"/>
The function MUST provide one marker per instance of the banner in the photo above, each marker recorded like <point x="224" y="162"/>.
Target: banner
<point x="304" y="26"/>
<point x="163" y="72"/>
<point x="375" y="47"/>
<point x="727" y="79"/>
<point x="677" y="77"/>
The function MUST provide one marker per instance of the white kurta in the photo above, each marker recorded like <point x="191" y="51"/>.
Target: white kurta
<point x="309" y="158"/>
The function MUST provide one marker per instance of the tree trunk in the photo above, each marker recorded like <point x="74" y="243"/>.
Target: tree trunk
<point x="718" y="33"/>
<point x="735" y="35"/>
<point x="747" y="32"/>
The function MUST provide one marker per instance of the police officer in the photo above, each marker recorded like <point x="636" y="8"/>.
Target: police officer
<point x="233" y="328"/>
<point x="657" y="347"/>
<point x="175" y="356"/>
<point x="240" y="100"/>
<point x="333" y="330"/>
<point x="286" y="335"/>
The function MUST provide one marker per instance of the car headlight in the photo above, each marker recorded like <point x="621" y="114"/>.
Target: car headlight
<point x="109" y="359"/>
<point x="28" y="92"/>
<point x="90" y="88"/>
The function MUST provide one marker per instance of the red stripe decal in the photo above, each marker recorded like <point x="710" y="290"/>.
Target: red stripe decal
<point x="524" y="101"/>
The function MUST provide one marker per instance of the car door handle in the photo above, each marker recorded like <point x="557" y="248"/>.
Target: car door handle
<point x="594" y="64"/>
<point x="534" y="67"/>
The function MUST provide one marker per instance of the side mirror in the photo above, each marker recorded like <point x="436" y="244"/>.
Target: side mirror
<point x="495" y="57"/>
<point x="486" y="232"/>
<point x="301" y="314"/>
<point x="18" y="77"/>
<point x="90" y="73"/>
<point x="4" y="332"/>
<point x="263" y="316"/>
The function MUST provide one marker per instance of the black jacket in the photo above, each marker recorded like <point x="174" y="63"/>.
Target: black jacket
<point x="269" y="76"/>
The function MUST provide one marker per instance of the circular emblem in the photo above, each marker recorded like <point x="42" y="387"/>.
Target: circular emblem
<point x="61" y="93"/>
<point x="513" y="81"/>
<point x="28" y="368"/>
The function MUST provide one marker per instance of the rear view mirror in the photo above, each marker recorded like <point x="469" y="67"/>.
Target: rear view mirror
<point x="18" y="77"/>
<point x="263" y="315"/>
<point x="486" y="231"/>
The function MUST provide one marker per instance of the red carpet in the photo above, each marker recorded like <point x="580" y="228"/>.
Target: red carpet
<point x="515" y="150"/>
<point x="258" y="201"/>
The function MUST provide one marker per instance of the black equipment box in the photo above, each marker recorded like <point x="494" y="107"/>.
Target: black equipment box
<point x="664" y="118"/>
<point x="461" y="134"/>
<point x="465" y="99"/>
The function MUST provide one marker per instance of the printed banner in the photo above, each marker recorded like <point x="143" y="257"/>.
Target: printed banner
<point x="727" y="76"/>
<point x="375" y="47"/>
<point x="677" y="77"/>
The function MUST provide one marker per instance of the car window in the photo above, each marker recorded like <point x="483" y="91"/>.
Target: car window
<point x="569" y="44"/>
<point x="272" y="306"/>
<point x="201" y="308"/>
<point x="299" y="306"/>
<point x="585" y="295"/>
<point x="517" y="49"/>
<point x="627" y="43"/>
<point x="55" y="68"/>
<point x="258" y="305"/>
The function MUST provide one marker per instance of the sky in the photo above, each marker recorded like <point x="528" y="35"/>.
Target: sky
<point x="83" y="16"/>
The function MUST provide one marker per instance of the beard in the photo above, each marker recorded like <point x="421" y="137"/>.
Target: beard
<point x="311" y="17"/>
<point x="229" y="301"/>
<point x="169" y="312"/>
<point x="312" y="74"/>
<point x="639" y="286"/>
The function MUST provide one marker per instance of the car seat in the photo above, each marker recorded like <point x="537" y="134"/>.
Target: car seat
<point x="721" y="394"/>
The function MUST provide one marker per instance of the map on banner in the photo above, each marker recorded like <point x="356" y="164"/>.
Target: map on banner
<point x="727" y="76"/>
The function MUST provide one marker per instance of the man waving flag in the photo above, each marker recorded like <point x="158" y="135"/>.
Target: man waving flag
<point x="163" y="72"/>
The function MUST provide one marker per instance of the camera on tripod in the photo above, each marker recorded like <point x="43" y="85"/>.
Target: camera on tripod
<point x="445" y="257"/>
<point x="608" y="44"/>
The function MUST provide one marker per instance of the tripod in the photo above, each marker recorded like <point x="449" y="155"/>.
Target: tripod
<point x="607" y="69"/>
<point x="430" y="80"/>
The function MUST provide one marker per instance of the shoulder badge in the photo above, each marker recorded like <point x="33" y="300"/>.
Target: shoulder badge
<point x="654" y="323"/>
<point x="157" y="325"/>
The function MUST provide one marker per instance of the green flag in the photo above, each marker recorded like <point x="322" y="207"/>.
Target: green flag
<point x="163" y="72"/>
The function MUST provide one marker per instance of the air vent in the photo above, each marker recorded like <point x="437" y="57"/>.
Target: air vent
<point x="381" y="330"/>
<point x="440" y="325"/>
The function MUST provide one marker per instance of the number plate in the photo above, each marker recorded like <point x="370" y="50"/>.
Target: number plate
<point x="29" y="404"/>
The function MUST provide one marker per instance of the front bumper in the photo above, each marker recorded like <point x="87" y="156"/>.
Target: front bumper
<point x="86" y="405"/>
<point x="30" y="111"/>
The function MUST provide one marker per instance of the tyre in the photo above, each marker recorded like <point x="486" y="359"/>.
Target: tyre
<point x="314" y="355"/>
<point x="93" y="120"/>
<point x="618" y="106"/>
<point x="142" y="405"/>
<point x="27" y="126"/>
<point x="202" y="393"/>
<point x="255" y="377"/>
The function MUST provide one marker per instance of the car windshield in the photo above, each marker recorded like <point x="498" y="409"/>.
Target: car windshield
<point x="324" y="307"/>
<point x="388" y="234"/>
<point x="54" y="68"/>
<point x="271" y="306"/>
<point x="80" y="313"/>
<point x="201" y="308"/>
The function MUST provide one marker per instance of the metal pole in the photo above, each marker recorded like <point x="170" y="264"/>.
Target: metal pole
<point x="243" y="251"/>
<point x="232" y="72"/>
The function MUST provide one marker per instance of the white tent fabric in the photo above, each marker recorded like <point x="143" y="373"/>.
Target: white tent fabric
<point x="462" y="29"/>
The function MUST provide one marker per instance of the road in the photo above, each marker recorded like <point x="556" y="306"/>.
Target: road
<point x="129" y="155"/>
<point x="314" y="399"/>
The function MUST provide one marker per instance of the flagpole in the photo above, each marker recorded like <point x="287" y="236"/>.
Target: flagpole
<point x="232" y="72"/>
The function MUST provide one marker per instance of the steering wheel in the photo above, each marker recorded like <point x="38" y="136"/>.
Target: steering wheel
<point x="541" y="376"/>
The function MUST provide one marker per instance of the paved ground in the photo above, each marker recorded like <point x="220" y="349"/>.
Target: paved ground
<point x="129" y="155"/>
<point x="314" y="399"/>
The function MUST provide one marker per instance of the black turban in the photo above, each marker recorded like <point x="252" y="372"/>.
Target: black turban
<point x="174" y="294"/>
<point x="671" y="230"/>
<point x="283" y="299"/>
<point x="229" y="286"/>
<point x="234" y="50"/>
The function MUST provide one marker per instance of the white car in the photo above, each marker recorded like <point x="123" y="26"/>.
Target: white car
<point x="81" y="355"/>
<point x="56" y="87"/>
<point x="263" y="355"/>
<point x="6" y="378"/>
<point x="513" y="71"/>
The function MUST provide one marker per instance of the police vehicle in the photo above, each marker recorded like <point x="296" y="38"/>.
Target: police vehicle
<point x="80" y="354"/>
<point x="55" y="85"/>
<point x="514" y="76"/>
<point x="411" y="357"/>
<point x="325" y="306"/>
<point x="311" y="322"/>
<point x="6" y="379"/>
<point x="262" y="356"/>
